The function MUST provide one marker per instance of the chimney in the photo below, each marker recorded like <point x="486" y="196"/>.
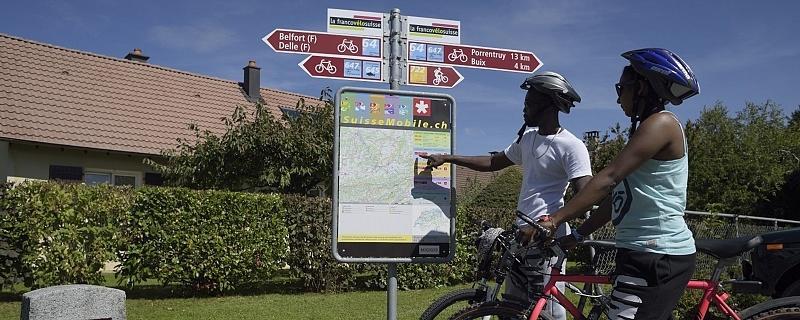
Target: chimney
<point x="591" y="135"/>
<point x="136" y="55"/>
<point x="252" y="81"/>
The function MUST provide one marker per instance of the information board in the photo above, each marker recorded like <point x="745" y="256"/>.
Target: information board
<point x="387" y="207"/>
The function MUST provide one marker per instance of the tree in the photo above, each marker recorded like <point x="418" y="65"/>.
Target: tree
<point x="740" y="164"/>
<point x="794" y="119"/>
<point x="603" y="151"/>
<point x="747" y="163"/>
<point x="259" y="152"/>
<point x="501" y="193"/>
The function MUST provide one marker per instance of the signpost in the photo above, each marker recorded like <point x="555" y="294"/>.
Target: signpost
<point x="474" y="57"/>
<point x="433" y="76"/>
<point x="387" y="207"/>
<point x="307" y="42"/>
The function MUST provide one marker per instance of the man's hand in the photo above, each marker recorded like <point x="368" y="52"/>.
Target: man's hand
<point x="548" y="224"/>
<point x="567" y="242"/>
<point x="527" y="232"/>
<point x="434" y="160"/>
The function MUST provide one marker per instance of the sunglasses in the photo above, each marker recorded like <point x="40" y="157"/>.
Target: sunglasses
<point x="621" y="85"/>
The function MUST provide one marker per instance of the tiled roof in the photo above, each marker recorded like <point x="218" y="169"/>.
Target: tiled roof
<point x="60" y="96"/>
<point x="465" y="175"/>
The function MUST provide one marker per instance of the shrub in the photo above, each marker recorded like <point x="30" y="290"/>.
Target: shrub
<point x="310" y="257"/>
<point x="54" y="234"/>
<point x="210" y="240"/>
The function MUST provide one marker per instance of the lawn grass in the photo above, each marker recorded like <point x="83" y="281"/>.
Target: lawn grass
<point x="278" y="299"/>
<point x="351" y="305"/>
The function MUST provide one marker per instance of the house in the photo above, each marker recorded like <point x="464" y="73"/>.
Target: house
<point x="79" y="116"/>
<point x="73" y="115"/>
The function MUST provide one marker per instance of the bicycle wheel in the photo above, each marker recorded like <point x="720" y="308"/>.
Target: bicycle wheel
<point x="496" y="310"/>
<point x="449" y="304"/>
<point x="777" y="309"/>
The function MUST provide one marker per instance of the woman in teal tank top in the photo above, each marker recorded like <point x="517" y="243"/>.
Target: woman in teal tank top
<point x="644" y="189"/>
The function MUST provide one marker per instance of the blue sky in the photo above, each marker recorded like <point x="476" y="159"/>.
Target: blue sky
<point x="740" y="50"/>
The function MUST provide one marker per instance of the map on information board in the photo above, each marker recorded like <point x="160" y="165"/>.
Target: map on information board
<point x="387" y="204"/>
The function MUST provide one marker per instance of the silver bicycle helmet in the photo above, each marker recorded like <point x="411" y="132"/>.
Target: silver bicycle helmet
<point x="555" y="85"/>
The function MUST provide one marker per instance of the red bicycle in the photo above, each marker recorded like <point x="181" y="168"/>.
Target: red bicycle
<point x="724" y="251"/>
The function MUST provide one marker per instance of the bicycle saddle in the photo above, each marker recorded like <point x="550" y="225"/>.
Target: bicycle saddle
<point x="727" y="248"/>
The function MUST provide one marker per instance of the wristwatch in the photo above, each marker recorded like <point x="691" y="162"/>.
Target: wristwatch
<point x="578" y="237"/>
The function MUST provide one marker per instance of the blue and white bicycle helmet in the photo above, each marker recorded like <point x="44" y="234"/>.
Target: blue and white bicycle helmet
<point x="671" y="78"/>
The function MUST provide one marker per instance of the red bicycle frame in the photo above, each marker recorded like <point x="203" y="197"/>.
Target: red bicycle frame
<point x="710" y="294"/>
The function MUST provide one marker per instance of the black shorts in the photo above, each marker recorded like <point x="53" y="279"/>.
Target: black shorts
<point x="648" y="285"/>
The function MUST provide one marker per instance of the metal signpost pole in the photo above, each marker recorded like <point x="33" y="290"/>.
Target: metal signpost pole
<point x="394" y="84"/>
<point x="368" y="46"/>
<point x="394" y="52"/>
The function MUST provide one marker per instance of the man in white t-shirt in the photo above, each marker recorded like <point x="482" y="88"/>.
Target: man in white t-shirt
<point x="551" y="158"/>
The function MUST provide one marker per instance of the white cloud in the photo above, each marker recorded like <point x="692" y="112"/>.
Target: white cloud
<point x="201" y="38"/>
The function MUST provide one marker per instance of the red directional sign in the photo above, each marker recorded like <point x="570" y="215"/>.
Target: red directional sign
<point x="307" y="42"/>
<point x="432" y="76"/>
<point x="342" y="68"/>
<point x="474" y="57"/>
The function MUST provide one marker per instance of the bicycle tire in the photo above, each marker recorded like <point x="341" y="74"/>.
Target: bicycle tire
<point x="450" y="299"/>
<point x="776" y="309"/>
<point x="496" y="310"/>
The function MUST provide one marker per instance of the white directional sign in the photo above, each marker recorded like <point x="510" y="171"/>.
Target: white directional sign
<point x="435" y="30"/>
<point x="359" y="23"/>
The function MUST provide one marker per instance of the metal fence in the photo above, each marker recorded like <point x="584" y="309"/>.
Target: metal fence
<point x="705" y="225"/>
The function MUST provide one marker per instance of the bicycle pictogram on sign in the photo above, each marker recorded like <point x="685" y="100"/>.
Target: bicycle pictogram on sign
<point x="325" y="65"/>
<point x="347" y="45"/>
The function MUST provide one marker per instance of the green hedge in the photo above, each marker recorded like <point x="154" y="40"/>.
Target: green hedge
<point x="57" y="234"/>
<point x="310" y="256"/>
<point x="210" y="240"/>
<point x="213" y="241"/>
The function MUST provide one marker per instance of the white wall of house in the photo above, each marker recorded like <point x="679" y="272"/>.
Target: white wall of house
<point x="31" y="161"/>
